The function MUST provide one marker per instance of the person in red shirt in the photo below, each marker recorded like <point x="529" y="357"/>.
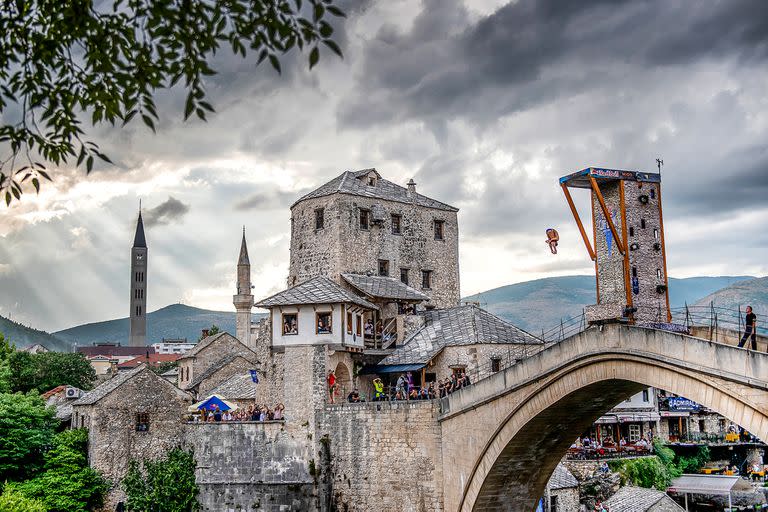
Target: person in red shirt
<point x="331" y="385"/>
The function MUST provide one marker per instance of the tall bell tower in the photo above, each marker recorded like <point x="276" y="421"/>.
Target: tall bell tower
<point x="138" y="302"/>
<point x="243" y="300"/>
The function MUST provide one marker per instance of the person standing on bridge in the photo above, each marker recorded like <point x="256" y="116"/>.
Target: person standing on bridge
<point x="750" y="329"/>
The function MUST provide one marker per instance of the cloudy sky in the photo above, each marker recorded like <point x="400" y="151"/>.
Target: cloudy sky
<point x="484" y="103"/>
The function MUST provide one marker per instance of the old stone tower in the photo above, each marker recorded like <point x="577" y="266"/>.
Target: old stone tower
<point x="628" y="248"/>
<point x="243" y="299"/>
<point x="360" y="223"/>
<point x="138" y="302"/>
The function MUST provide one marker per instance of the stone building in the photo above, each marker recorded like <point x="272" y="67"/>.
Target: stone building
<point x="628" y="244"/>
<point x="361" y="223"/>
<point x="134" y="415"/>
<point x="638" y="499"/>
<point x="562" y="494"/>
<point x="211" y="358"/>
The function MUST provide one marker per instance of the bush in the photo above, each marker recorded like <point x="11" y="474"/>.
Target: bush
<point x="14" y="501"/>
<point x="68" y="483"/>
<point x="166" y="485"/>
<point x="26" y="431"/>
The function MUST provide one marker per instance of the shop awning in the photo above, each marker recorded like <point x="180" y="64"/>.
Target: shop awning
<point x="703" y="484"/>
<point x="674" y="414"/>
<point x="638" y="416"/>
<point x="392" y="368"/>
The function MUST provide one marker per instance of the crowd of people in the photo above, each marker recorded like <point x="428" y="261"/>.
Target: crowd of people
<point x="404" y="389"/>
<point x="587" y="447"/>
<point x="253" y="413"/>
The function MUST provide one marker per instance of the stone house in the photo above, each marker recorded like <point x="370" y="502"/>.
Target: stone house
<point x="562" y="493"/>
<point x="213" y="355"/>
<point x="463" y="339"/>
<point x="361" y="223"/>
<point x="637" y="499"/>
<point x="135" y="415"/>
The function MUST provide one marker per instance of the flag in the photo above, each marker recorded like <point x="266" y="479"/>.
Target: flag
<point x="254" y="376"/>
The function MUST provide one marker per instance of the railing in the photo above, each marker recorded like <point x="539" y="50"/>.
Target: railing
<point x="389" y="333"/>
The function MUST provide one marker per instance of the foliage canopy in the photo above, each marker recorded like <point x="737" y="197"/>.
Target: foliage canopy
<point x="166" y="485"/>
<point x="27" y="427"/>
<point x="62" y="61"/>
<point x="47" y="370"/>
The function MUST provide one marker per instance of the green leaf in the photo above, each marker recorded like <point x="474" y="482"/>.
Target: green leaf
<point x="314" y="56"/>
<point x="275" y="63"/>
<point x="333" y="46"/>
<point x="148" y="121"/>
<point x="336" y="11"/>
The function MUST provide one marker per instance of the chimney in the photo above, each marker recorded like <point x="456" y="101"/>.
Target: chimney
<point x="411" y="188"/>
<point x="205" y="333"/>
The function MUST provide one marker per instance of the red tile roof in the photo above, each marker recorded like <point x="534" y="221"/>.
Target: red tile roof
<point x="154" y="360"/>
<point x="114" y="350"/>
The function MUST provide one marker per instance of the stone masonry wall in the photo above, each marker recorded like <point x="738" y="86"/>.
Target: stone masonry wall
<point x="342" y="246"/>
<point x="477" y="358"/>
<point x="384" y="456"/>
<point x="610" y="266"/>
<point x="252" y="467"/>
<point x="646" y="260"/>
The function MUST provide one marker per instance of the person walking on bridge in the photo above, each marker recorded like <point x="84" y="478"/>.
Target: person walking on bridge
<point x="750" y="329"/>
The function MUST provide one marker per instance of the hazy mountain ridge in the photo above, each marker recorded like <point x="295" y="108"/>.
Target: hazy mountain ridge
<point x="531" y="305"/>
<point x="542" y="303"/>
<point x="25" y="336"/>
<point x="174" y="321"/>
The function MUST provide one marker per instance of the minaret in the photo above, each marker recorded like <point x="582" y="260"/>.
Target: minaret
<point x="243" y="300"/>
<point x="138" y="300"/>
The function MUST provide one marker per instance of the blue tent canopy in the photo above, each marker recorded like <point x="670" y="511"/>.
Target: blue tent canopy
<point x="212" y="402"/>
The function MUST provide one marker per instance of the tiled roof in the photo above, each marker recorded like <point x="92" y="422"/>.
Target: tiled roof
<point x="107" y="387"/>
<point x="318" y="290"/>
<point x="637" y="499"/>
<point x="562" y="478"/>
<point x="237" y="387"/>
<point x="114" y="350"/>
<point x="348" y="183"/>
<point x="383" y="287"/>
<point x="461" y="325"/>
<point x="218" y="365"/>
<point x="202" y="344"/>
<point x="154" y="360"/>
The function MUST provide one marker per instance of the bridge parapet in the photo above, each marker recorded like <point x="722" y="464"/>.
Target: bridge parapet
<point x="718" y="360"/>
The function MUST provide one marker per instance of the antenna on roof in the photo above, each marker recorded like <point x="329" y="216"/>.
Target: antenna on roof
<point x="659" y="163"/>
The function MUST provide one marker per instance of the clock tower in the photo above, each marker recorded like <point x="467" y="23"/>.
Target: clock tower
<point x="138" y="302"/>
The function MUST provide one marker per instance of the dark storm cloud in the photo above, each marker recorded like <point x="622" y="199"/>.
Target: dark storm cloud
<point x="495" y="66"/>
<point x="170" y="211"/>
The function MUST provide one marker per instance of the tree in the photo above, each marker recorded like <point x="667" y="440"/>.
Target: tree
<point x="166" y="485"/>
<point x="27" y="427"/>
<point x="6" y="349"/>
<point x="47" y="370"/>
<point x="14" y="501"/>
<point x="106" y="60"/>
<point x="68" y="483"/>
<point x="214" y="329"/>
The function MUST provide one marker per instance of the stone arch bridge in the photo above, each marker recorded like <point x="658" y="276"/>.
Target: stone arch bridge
<point x="504" y="435"/>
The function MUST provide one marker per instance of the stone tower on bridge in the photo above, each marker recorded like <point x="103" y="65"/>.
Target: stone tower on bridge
<point x="628" y="244"/>
<point x="361" y="223"/>
<point x="138" y="302"/>
<point x="243" y="300"/>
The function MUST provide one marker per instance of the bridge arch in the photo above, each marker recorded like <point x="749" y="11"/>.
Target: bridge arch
<point x="553" y="397"/>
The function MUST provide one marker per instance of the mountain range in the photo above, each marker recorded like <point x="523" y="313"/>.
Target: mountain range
<point x="531" y="305"/>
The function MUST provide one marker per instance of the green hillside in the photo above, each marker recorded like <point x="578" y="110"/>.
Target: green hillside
<point x="728" y="300"/>
<point x="174" y="321"/>
<point x="541" y="303"/>
<point x="23" y="336"/>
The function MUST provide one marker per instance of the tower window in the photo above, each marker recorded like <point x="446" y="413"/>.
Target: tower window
<point x="404" y="275"/>
<point x="365" y="219"/>
<point x="384" y="268"/>
<point x="642" y="223"/>
<point x="656" y="233"/>
<point x="396" y="224"/>
<point x="631" y="231"/>
<point x="653" y="193"/>
<point x="495" y="364"/>
<point x="658" y="273"/>
<point x="634" y="271"/>
<point x="320" y="218"/>
<point x="426" y="279"/>
<point x="142" y="422"/>
<point x="439" y="229"/>
<point x="323" y="323"/>
<point x="290" y="324"/>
